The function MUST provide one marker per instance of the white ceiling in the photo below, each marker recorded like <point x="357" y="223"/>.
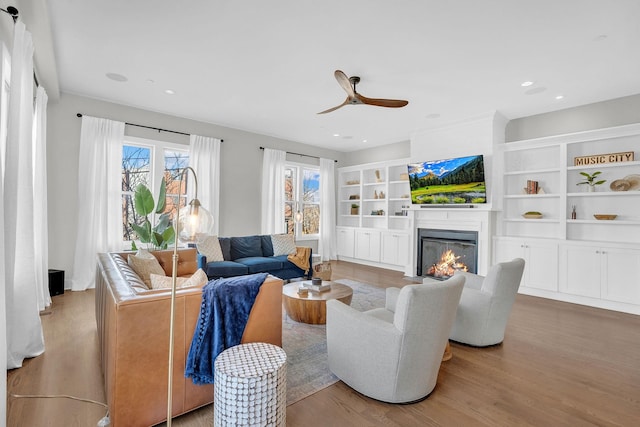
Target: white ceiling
<point x="267" y="66"/>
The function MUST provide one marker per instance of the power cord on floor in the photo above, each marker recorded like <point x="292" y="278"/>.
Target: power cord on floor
<point x="104" y="421"/>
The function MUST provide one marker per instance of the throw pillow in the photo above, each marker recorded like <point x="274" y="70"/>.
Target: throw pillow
<point x="283" y="244"/>
<point x="199" y="278"/>
<point x="245" y="247"/>
<point x="143" y="253"/>
<point x="210" y="248"/>
<point x="144" y="267"/>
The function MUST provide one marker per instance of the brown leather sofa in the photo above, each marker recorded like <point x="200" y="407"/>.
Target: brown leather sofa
<point x="133" y="332"/>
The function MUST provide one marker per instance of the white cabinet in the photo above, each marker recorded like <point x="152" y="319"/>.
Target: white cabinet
<point x="607" y="272"/>
<point x="621" y="275"/>
<point x="367" y="245"/>
<point x="597" y="261"/>
<point x="377" y="231"/>
<point x="581" y="270"/>
<point x="346" y="242"/>
<point x="540" y="257"/>
<point x="395" y="248"/>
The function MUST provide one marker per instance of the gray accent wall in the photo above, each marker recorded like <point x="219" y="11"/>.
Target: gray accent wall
<point x="614" y="112"/>
<point x="398" y="150"/>
<point x="240" y="171"/>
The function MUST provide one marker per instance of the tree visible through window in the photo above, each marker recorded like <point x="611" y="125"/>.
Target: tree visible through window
<point x="148" y="164"/>
<point x="302" y="194"/>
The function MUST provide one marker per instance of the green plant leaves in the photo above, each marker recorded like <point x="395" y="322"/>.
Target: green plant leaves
<point x="143" y="200"/>
<point x="161" y="234"/>
<point x="162" y="197"/>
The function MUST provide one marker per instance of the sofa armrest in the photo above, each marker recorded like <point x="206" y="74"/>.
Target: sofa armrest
<point x="202" y="261"/>
<point x="472" y="281"/>
<point x="391" y="298"/>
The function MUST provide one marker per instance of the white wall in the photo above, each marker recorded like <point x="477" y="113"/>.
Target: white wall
<point x="240" y="172"/>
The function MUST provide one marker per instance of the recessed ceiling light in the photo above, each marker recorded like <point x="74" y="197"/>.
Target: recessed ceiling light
<point x="169" y="92"/>
<point x="559" y="96"/>
<point x="336" y="134"/>
<point x="347" y="137"/>
<point x="527" y="83"/>
<point x="116" y="77"/>
<point x="364" y="140"/>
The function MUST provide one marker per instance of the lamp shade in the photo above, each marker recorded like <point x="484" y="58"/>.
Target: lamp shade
<point x="195" y="223"/>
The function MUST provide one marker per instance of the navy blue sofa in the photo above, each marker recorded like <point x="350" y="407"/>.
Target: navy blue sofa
<point x="249" y="255"/>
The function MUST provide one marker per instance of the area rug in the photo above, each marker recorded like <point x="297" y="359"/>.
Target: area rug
<point x="306" y="345"/>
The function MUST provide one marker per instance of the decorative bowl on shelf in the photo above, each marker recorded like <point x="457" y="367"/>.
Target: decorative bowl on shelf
<point x="620" y="185"/>
<point x="605" y="216"/>
<point x="532" y="215"/>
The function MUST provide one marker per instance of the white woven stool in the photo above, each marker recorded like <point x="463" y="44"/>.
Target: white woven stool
<point x="250" y="386"/>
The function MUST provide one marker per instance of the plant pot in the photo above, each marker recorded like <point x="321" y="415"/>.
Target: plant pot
<point x="354" y="211"/>
<point x="591" y="188"/>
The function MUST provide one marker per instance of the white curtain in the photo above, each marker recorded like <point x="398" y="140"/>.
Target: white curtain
<point x="40" y="226"/>
<point x="99" y="197"/>
<point x="273" y="191"/>
<point x="204" y="158"/>
<point x="23" y="327"/>
<point x="327" y="246"/>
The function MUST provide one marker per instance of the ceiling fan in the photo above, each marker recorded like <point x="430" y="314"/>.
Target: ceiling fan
<point x="353" y="97"/>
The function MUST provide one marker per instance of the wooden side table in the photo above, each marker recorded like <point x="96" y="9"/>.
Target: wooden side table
<point x="312" y="307"/>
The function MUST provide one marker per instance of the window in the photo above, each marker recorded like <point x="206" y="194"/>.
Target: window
<point x="148" y="162"/>
<point x="302" y="194"/>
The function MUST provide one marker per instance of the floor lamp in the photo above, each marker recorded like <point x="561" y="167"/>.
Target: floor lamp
<point x="195" y="224"/>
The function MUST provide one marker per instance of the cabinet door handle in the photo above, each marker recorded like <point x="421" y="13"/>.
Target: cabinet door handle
<point x="603" y="252"/>
<point x="597" y="252"/>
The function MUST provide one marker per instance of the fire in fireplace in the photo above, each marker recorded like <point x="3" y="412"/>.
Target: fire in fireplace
<point x="442" y="252"/>
<point x="447" y="265"/>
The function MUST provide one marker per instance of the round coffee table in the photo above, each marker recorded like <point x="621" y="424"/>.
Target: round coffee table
<point x="312" y="307"/>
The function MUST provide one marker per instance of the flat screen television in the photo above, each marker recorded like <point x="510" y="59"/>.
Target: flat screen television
<point x="456" y="181"/>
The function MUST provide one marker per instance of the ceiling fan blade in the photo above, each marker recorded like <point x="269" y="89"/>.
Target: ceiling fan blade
<point x="390" y="103"/>
<point x="346" y="101"/>
<point x="343" y="80"/>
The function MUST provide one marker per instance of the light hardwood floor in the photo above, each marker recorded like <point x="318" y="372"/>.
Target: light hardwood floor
<point x="560" y="365"/>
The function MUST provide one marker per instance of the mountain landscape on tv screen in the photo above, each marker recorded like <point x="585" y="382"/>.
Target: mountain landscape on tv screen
<point x="451" y="181"/>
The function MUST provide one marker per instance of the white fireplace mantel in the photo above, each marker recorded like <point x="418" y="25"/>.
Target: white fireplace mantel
<point x="480" y="220"/>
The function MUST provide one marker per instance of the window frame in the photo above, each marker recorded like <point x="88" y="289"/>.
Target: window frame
<point x="156" y="167"/>
<point x="298" y="198"/>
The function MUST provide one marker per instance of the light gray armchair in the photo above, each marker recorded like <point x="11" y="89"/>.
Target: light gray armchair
<point x="393" y="354"/>
<point x="486" y="304"/>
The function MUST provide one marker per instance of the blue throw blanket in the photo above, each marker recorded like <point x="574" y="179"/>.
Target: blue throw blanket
<point x="226" y="304"/>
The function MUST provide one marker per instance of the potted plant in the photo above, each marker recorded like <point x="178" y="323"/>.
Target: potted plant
<point x="354" y="209"/>
<point x="159" y="235"/>
<point x="591" y="180"/>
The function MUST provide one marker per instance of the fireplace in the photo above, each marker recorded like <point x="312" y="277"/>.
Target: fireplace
<point x="442" y="252"/>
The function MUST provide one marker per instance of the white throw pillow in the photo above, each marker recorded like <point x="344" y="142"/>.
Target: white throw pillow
<point x="210" y="248"/>
<point x="143" y="253"/>
<point x="199" y="278"/>
<point x="283" y="244"/>
<point x="144" y="267"/>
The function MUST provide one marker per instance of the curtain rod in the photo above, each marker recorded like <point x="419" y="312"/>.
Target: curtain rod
<point x="299" y="154"/>
<point x="154" y="128"/>
<point x="11" y="11"/>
